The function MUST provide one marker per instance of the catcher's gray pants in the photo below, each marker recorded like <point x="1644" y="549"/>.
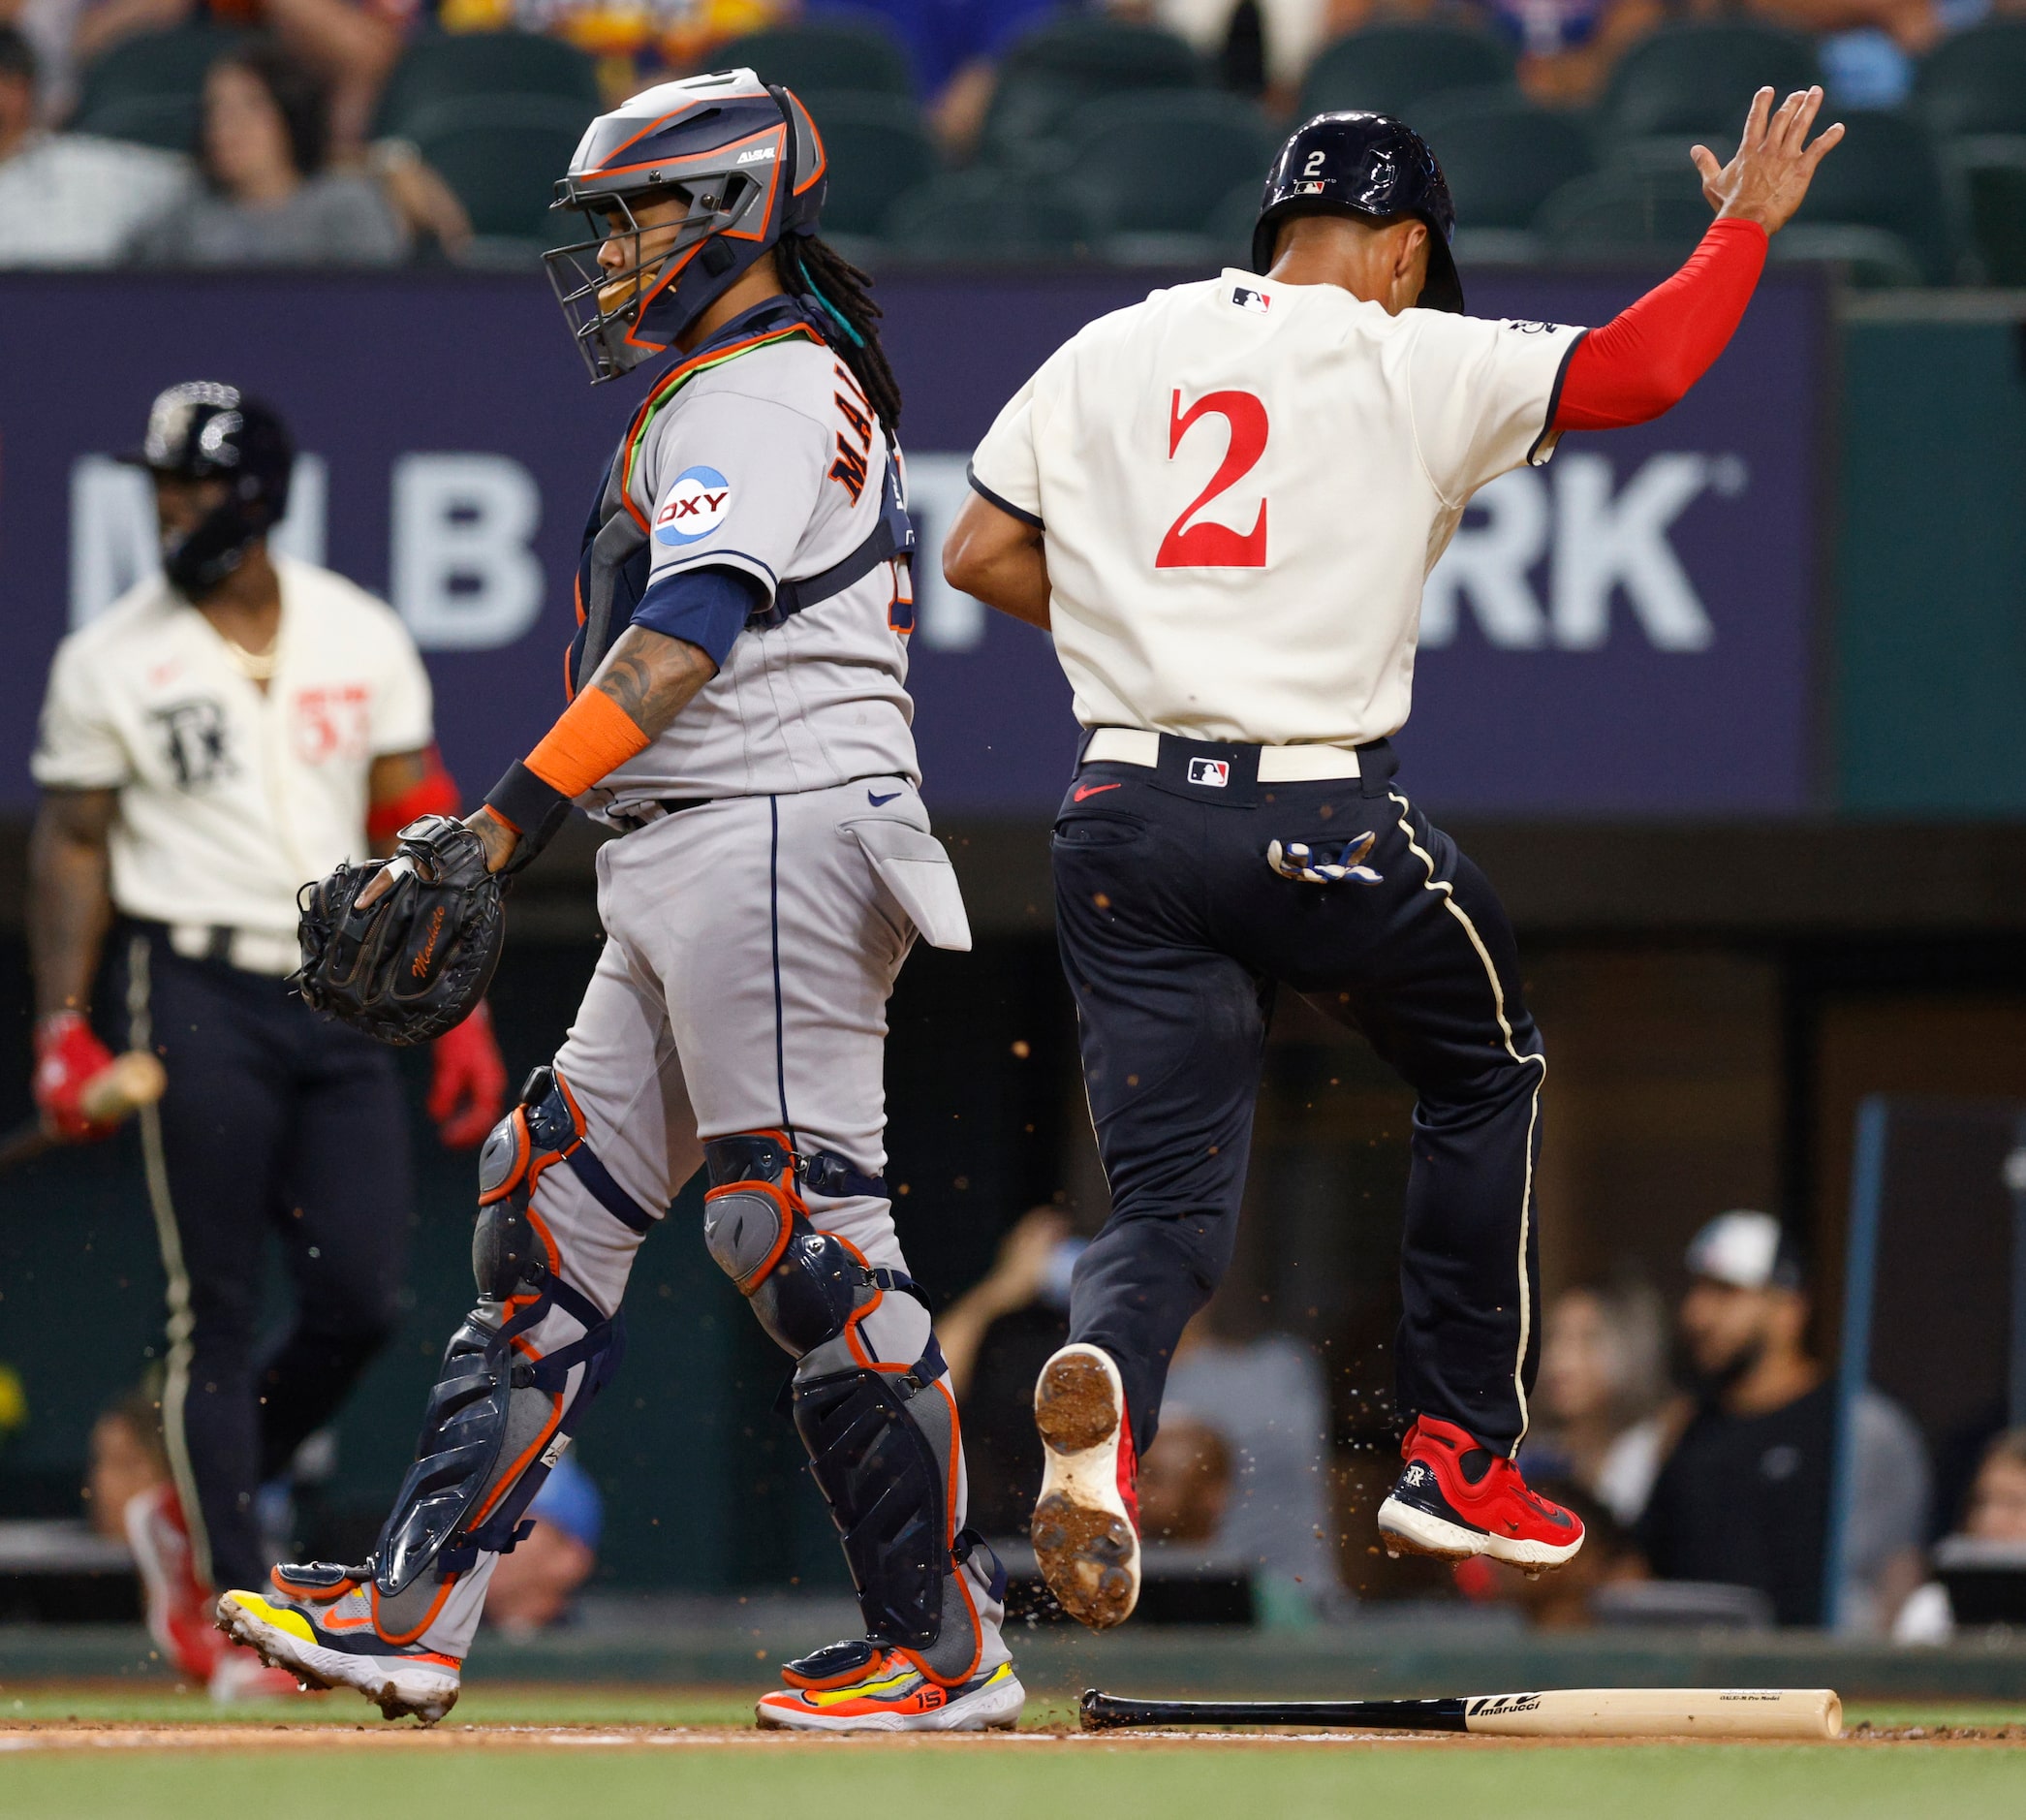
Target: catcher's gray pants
<point x="751" y="944"/>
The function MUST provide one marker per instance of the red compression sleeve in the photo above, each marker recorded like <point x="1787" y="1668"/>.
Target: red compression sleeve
<point x="1644" y="359"/>
<point x="434" y="792"/>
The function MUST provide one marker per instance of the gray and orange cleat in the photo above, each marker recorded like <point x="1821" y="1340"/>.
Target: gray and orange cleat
<point x="859" y="1686"/>
<point x="1086" y="1524"/>
<point x="318" y="1627"/>
<point x="1455" y="1498"/>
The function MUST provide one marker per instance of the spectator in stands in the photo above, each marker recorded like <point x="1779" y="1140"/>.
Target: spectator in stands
<point x="1744" y="1497"/>
<point x="1185" y="1481"/>
<point x="67" y="199"/>
<point x="351" y="44"/>
<point x="1995" y="1518"/>
<point x="50" y="27"/>
<point x="534" y="1584"/>
<point x="1567" y="47"/>
<point x="1597" y="1406"/>
<point x="270" y="198"/>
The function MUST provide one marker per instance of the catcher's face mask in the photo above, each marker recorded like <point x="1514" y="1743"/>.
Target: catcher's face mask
<point x="688" y="185"/>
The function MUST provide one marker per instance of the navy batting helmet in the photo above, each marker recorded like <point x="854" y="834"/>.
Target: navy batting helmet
<point x="1370" y="165"/>
<point x="201" y="431"/>
<point x="743" y="159"/>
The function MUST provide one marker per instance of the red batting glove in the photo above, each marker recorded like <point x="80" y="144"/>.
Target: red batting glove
<point x="470" y="1081"/>
<point x="66" y="1055"/>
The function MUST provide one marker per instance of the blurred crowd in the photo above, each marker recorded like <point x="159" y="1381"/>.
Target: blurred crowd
<point x="287" y="131"/>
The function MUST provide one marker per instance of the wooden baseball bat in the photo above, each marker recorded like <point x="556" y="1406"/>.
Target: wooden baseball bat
<point x="1810" y="1712"/>
<point x="111" y="1097"/>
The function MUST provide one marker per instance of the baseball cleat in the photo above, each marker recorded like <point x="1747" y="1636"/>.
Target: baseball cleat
<point x="892" y="1695"/>
<point x="329" y="1641"/>
<point x="177" y="1615"/>
<point x="1456" y="1499"/>
<point x="1086" y="1524"/>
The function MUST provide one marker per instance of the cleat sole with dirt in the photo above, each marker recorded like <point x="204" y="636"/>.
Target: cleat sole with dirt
<point x="1084" y="1540"/>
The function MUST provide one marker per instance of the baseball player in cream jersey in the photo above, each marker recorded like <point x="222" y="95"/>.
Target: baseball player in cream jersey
<point x="223" y="730"/>
<point x="1222" y="501"/>
<point x="740" y="716"/>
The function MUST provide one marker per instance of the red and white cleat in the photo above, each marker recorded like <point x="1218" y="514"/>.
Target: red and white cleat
<point x="1086" y="1524"/>
<point x="1457" y="1499"/>
<point x="178" y="1614"/>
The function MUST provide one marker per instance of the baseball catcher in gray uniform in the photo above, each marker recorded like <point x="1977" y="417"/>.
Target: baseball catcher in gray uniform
<point x="740" y="712"/>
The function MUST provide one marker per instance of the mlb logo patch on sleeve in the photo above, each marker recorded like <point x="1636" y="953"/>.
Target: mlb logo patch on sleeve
<point x="695" y="507"/>
<point x="1215" y="772"/>
<point x="1257" y="301"/>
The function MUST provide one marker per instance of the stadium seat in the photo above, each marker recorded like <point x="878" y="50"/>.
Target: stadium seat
<point x="1048" y="76"/>
<point x="829" y="57"/>
<point x="1634" y="212"/>
<point x="1228" y="229"/>
<point x="878" y="151"/>
<point x="1503" y="156"/>
<point x="1975" y="82"/>
<point x="985" y="216"/>
<point x="1393" y="69"/>
<point x="1885" y="175"/>
<point x="474" y="65"/>
<point x="1690" y="81"/>
<point x="1872" y="259"/>
<point x="1989" y="172"/>
<point x="147" y="89"/>
<point x="1162" y="163"/>
<point x="501" y="154"/>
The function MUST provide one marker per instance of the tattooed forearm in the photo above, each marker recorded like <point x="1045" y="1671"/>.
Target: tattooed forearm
<point x="652" y="677"/>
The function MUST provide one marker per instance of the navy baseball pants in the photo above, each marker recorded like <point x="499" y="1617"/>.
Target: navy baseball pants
<point x="1176" y="933"/>
<point x="274" y="1121"/>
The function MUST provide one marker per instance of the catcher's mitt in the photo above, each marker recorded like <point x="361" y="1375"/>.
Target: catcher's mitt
<point x="412" y="963"/>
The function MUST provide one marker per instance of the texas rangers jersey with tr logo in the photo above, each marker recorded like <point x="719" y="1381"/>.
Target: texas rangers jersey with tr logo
<point x="1244" y="486"/>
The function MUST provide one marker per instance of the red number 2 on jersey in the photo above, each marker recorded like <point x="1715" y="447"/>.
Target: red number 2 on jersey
<point x="1217" y="546"/>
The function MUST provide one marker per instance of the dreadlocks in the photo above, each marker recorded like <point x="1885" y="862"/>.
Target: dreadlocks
<point x="841" y="293"/>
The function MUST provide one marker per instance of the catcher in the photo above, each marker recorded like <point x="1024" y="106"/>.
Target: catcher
<point x="741" y="716"/>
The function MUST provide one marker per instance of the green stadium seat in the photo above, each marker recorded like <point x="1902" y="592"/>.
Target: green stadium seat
<point x="1633" y="213"/>
<point x="147" y="88"/>
<point x="468" y="65"/>
<point x="878" y="151"/>
<point x="502" y="154"/>
<point x="986" y="217"/>
<point x="1162" y="164"/>
<point x="1871" y="259"/>
<point x="1050" y="73"/>
<point x="1692" y="81"/>
<point x="831" y="57"/>
<point x="168" y="121"/>
<point x="1989" y="174"/>
<point x="1504" y="156"/>
<point x="1228" y="229"/>
<point x="1975" y="82"/>
<point x="1885" y="175"/>
<point x="1393" y="69"/>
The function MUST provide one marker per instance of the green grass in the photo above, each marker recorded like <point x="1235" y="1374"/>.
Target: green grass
<point x="1653" y="1784"/>
<point x="1069" y="1781"/>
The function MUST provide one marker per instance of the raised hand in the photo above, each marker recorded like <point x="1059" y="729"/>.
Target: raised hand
<point x="1774" y="165"/>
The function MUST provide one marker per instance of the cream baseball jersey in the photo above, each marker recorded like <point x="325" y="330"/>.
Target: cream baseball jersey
<point x="230" y="797"/>
<point x="1243" y="485"/>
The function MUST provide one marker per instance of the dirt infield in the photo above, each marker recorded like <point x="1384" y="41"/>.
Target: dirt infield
<point x="88" y="1735"/>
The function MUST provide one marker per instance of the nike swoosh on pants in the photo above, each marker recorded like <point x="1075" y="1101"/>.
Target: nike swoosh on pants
<point x="1091" y="790"/>
<point x="881" y="801"/>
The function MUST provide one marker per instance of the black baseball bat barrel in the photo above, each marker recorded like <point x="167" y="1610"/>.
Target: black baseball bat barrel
<point x="1102" y="1711"/>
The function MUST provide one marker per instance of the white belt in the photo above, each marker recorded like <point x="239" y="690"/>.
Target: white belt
<point x="1278" y="763"/>
<point x="251" y="950"/>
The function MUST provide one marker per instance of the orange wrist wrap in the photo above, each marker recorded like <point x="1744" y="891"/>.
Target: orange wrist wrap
<point x="594" y="737"/>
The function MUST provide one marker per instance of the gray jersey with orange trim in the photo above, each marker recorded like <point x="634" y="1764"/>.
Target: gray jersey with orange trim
<point x="760" y="454"/>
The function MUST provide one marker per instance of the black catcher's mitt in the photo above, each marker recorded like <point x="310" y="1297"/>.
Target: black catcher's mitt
<point x="412" y="963"/>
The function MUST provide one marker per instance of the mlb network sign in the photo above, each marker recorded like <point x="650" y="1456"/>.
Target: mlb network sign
<point x="1622" y="631"/>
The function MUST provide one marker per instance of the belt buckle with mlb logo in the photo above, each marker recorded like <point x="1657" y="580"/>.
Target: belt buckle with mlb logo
<point x="1212" y="773"/>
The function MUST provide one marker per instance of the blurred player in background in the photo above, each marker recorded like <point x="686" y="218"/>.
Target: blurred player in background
<point x="1224" y="503"/>
<point x="226" y="729"/>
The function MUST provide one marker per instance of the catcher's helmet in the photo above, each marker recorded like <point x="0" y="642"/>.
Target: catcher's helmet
<point x="1363" y="164"/>
<point x="744" y="159"/>
<point x="201" y="431"/>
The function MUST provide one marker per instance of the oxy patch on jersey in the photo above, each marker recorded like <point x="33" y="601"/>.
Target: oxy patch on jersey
<point x="698" y="502"/>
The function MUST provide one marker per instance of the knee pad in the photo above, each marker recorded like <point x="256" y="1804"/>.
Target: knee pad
<point x="881" y="1437"/>
<point x="499" y="1415"/>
